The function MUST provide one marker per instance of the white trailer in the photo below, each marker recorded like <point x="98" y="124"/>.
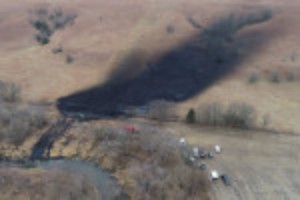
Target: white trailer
<point x="217" y="149"/>
<point x="214" y="175"/>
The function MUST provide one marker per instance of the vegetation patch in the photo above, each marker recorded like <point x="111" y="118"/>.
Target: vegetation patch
<point x="151" y="159"/>
<point x="69" y="58"/>
<point x="240" y="115"/>
<point x="9" y="92"/>
<point x="236" y="115"/>
<point x="191" y="116"/>
<point x="46" y="22"/>
<point x="273" y="76"/>
<point x="170" y="29"/>
<point x="17" y="120"/>
<point x="57" y="50"/>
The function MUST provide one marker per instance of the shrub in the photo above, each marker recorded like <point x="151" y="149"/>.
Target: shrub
<point x="162" y="173"/>
<point x="116" y="143"/>
<point x="17" y="124"/>
<point x="150" y="142"/>
<point x="179" y="182"/>
<point x="60" y="20"/>
<point x="42" y="38"/>
<point x="43" y="27"/>
<point x="152" y="159"/>
<point x="253" y="77"/>
<point x="44" y="31"/>
<point x="170" y="29"/>
<point x="191" y="116"/>
<point x="275" y="77"/>
<point x="57" y="50"/>
<point x="290" y="76"/>
<point x="157" y="146"/>
<point x="69" y="58"/>
<point x="239" y="115"/>
<point x="210" y="114"/>
<point x="47" y="22"/>
<point x="9" y="92"/>
<point x="107" y="134"/>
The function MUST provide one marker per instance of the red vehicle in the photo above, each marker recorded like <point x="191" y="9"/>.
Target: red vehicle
<point x="130" y="128"/>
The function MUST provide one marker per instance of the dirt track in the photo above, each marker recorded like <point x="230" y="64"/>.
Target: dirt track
<point x="260" y="165"/>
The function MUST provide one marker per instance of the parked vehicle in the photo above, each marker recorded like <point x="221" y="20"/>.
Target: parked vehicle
<point x="217" y="149"/>
<point x="192" y="160"/>
<point x="182" y="141"/>
<point x="226" y="180"/>
<point x="201" y="153"/>
<point x="202" y="165"/>
<point x="196" y="151"/>
<point x="214" y="175"/>
<point x="210" y="154"/>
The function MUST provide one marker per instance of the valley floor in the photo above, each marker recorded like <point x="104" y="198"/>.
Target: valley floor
<point x="261" y="165"/>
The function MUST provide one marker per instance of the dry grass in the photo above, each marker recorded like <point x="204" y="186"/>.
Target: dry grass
<point x="254" y="160"/>
<point x="179" y="182"/>
<point x="98" y="44"/>
<point x="18" y="120"/>
<point x="18" y="123"/>
<point x="149" y="159"/>
<point x="236" y="115"/>
<point x="9" y="92"/>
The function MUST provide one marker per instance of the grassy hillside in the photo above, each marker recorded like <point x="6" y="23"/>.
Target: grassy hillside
<point x="104" y="33"/>
<point x="112" y="54"/>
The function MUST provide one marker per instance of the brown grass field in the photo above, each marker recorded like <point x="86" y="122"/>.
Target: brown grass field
<point x="97" y="45"/>
<point x="263" y="165"/>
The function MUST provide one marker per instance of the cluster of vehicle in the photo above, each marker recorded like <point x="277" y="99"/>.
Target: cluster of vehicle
<point x="199" y="154"/>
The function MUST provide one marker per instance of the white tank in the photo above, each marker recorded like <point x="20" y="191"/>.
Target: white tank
<point x="196" y="151"/>
<point x="214" y="175"/>
<point x="217" y="149"/>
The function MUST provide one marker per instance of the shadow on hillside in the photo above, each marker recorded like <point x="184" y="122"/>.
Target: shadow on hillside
<point x="179" y="74"/>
